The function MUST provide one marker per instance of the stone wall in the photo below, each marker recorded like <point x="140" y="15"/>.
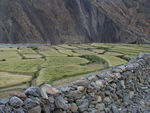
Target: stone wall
<point x="120" y="89"/>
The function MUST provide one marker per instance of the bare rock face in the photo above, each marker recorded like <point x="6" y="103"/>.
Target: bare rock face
<point x="74" y="21"/>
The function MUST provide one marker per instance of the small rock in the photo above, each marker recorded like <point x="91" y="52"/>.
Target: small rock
<point x="20" y="110"/>
<point x="123" y="68"/>
<point x="99" y="83"/>
<point x="79" y="102"/>
<point x="15" y="102"/>
<point x="131" y="94"/>
<point x="33" y="91"/>
<point x="2" y="108"/>
<point x="18" y="94"/>
<point x="99" y="99"/>
<point x="122" y="84"/>
<point x="51" y="99"/>
<point x="48" y="89"/>
<point x="30" y="103"/>
<point x="4" y="101"/>
<point x="46" y="108"/>
<point x="117" y="70"/>
<point x="81" y="88"/>
<point x="65" y="89"/>
<point x="35" y="110"/>
<point x="142" y="103"/>
<point x="100" y="107"/>
<point x="82" y="82"/>
<point x="91" y="77"/>
<point x="84" y="105"/>
<point x="131" y="66"/>
<point x="118" y="75"/>
<point x="61" y="103"/>
<point x="75" y="94"/>
<point x="107" y="100"/>
<point x="7" y="109"/>
<point x="114" y="109"/>
<point x="148" y="104"/>
<point x="74" y="107"/>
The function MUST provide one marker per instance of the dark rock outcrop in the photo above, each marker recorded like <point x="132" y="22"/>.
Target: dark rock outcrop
<point x="74" y="21"/>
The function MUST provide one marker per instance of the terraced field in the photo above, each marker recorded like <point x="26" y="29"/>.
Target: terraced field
<point x="24" y="66"/>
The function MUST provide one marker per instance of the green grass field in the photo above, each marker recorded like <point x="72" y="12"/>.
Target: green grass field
<point x="50" y="63"/>
<point x="68" y="52"/>
<point x="9" y="55"/>
<point x="9" y="79"/>
<point x="20" y="66"/>
<point x="112" y="60"/>
<point x="49" y="52"/>
<point x="25" y="50"/>
<point x="63" y="61"/>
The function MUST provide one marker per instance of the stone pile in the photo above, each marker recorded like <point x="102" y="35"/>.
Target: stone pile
<point x="120" y="89"/>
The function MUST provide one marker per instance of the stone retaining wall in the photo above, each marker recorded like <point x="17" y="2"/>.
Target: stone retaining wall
<point x="121" y="89"/>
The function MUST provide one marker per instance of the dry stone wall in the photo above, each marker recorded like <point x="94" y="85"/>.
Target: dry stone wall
<point x="120" y="89"/>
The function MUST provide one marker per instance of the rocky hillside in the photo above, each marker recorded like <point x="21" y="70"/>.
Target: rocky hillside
<point x="74" y="21"/>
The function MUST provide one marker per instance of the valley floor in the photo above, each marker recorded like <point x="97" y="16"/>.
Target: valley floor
<point x="24" y="66"/>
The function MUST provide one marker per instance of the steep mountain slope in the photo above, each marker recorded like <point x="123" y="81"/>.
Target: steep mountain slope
<point x="74" y="21"/>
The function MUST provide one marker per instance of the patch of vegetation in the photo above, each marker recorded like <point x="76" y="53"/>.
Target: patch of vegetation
<point x="112" y="60"/>
<point x="94" y="59"/>
<point x="114" y="54"/>
<point x="50" y="52"/>
<point x="63" y="61"/>
<point x="33" y="48"/>
<point x="68" y="46"/>
<point x="103" y="45"/>
<point x="99" y="51"/>
<point x="68" y="52"/>
<point x="52" y="63"/>
<point x="84" y="52"/>
<point x="8" y="49"/>
<point x="20" y="66"/>
<point x="129" y="51"/>
<point x="8" y="79"/>
<point x="9" y="55"/>
<point x="25" y="50"/>
<point x="51" y="74"/>
<point x="31" y="56"/>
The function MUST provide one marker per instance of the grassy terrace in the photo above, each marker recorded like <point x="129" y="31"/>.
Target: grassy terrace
<point x="112" y="60"/>
<point x="49" y="52"/>
<point x="9" y="79"/>
<point x="51" y="63"/>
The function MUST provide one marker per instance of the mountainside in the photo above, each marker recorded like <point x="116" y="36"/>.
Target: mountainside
<point x="74" y="21"/>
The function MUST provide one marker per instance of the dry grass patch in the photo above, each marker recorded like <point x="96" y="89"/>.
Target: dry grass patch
<point x="8" y="49"/>
<point x="20" y="66"/>
<point x="68" y="46"/>
<point x="51" y="74"/>
<point x="114" y="54"/>
<point x="68" y="52"/>
<point x="85" y="46"/>
<point x="50" y="52"/>
<point x="9" y="55"/>
<point x="103" y="45"/>
<point x="112" y="60"/>
<point x="32" y="56"/>
<point x="26" y="50"/>
<point x="84" y="52"/>
<point x="99" y="51"/>
<point x="95" y="66"/>
<point x="63" y="61"/>
<point x="9" y="79"/>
